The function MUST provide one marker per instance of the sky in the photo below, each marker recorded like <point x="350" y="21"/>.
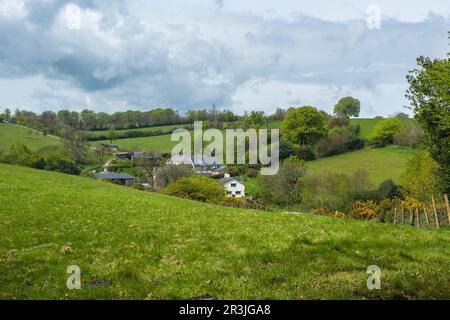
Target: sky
<point x="239" y="55"/>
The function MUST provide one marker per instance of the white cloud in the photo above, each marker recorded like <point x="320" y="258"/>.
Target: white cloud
<point x="233" y="54"/>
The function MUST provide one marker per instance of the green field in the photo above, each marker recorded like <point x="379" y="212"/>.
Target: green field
<point x="10" y="134"/>
<point x="380" y="163"/>
<point x="155" y="143"/>
<point x="148" y="129"/>
<point x="134" y="244"/>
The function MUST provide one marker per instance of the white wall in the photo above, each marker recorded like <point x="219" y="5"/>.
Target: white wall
<point x="239" y="187"/>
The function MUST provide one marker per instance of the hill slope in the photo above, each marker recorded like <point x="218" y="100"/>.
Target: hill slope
<point x="10" y="134"/>
<point x="379" y="163"/>
<point x="133" y="244"/>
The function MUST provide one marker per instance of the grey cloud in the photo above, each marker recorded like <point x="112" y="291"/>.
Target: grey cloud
<point x="144" y="63"/>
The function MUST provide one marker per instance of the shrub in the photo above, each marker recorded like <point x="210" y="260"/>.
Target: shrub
<point x="388" y="189"/>
<point x="333" y="191"/>
<point x="385" y="131"/>
<point x="385" y="209"/>
<point x="306" y="152"/>
<point x="363" y="210"/>
<point x="339" y="140"/>
<point x="252" y="172"/>
<point x="48" y="159"/>
<point x="411" y="136"/>
<point x="286" y="149"/>
<point x="285" y="187"/>
<point x="198" y="188"/>
<point x="244" y="203"/>
<point x="321" y="211"/>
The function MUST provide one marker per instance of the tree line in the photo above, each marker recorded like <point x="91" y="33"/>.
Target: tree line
<point x="89" y="120"/>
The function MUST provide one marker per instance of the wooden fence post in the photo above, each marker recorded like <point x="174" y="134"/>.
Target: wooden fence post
<point x="418" y="218"/>
<point x="435" y="212"/>
<point x="403" y="214"/>
<point x="426" y="215"/>
<point x="411" y="216"/>
<point x="395" y="215"/>
<point x="448" y="207"/>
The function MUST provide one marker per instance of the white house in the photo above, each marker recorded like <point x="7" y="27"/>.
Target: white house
<point x="233" y="187"/>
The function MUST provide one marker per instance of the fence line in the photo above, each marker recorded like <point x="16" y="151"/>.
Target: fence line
<point x="419" y="217"/>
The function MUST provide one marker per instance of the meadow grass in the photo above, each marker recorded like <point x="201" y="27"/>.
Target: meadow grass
<point x="135" y="244"/>
<point x="380" y="163"/>
<point x="10" y="134"/>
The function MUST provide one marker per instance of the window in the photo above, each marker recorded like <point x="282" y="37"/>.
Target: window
<point x="233" y="185"/>
<point x="228" y="192"/>
<point x="238" y="193"/>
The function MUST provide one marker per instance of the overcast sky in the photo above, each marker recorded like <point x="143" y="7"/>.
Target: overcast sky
<point x="236" y="54"/>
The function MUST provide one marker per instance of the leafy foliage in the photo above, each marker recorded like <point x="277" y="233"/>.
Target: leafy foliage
<point x="385" y="131"/>
<point x="429" y="95"/>
<point x="285" y="187"/>
<point x="55" y="161"/>
<point x="421" y="179"/>
<point x="304" y="125"/>
<point x="197" y="188"/>
<point x="347" y="107"/>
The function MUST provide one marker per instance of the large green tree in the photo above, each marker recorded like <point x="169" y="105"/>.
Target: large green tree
<point x="304" y="125"/>
<point x="429" y="94"/>
<point x="347" y="107"/>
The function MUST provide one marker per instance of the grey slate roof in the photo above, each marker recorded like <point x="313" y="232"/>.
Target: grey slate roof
<point x="225" y="180"/>
<point x="113" y="176"/>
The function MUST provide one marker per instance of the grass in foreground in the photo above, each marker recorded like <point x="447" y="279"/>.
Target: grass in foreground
<point x="379" y="163"/>
<point x="150" y="246"/>
<point x="10" y="134"/>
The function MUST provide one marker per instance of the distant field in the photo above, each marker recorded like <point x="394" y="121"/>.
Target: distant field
<point x="155" y="143"/>
<point x="380" y="163"/>
<point x="10" y="134"/>
<point x="148" y="129"/>
<point x="132" y="244"/>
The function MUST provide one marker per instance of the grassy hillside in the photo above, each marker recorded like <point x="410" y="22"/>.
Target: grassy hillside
<point x="133" y="244"/>
<point x="380" y="163"/>
<point x="155" y="143"/>
<point x="10" y="134"/>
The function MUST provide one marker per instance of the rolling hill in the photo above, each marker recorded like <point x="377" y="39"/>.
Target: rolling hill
<point x="162" y="143"/>
<point x="134" y="244"/>
<point x="380" y="163"/>
<point x="10" y="134"/>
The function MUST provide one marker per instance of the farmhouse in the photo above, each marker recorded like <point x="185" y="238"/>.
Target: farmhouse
<point x="233" y="186"/>
<point x="123" y="179"/>
<point x="205" y="167"/>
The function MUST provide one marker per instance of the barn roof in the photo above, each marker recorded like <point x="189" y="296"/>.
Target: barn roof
<point x="113" y="176"/>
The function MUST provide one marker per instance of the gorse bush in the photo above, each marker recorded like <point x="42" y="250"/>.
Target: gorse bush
<point x="363" y="210"/>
